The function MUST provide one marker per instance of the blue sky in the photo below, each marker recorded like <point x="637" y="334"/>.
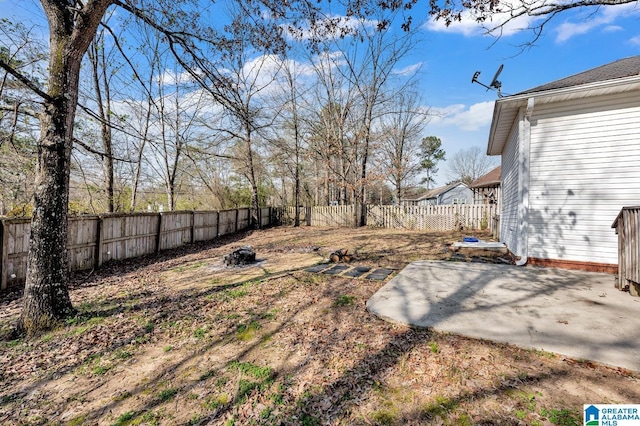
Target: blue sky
<point x="572" y="42"/>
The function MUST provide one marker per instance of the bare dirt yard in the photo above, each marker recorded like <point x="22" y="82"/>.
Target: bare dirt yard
<point x="180" y="339"/>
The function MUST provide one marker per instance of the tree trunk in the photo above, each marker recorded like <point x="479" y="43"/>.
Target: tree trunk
<point x="98" y="64"/>
<point x="46" y="294"/>
<point x="296" y="195"/>
<point x="255" y="200"/>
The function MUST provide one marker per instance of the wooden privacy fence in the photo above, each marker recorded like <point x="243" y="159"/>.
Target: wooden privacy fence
<point x="627" y="226"/>
<point x="438" y="218"/>
<point x="93" y="240"/>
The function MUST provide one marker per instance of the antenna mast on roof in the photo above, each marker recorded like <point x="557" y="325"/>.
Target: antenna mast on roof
<point x="495" y="84"/>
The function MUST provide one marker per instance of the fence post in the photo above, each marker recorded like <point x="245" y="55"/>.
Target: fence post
<point x="159" y="234"/>
<point x="4" y="255"/>
<point x="238" y="218"/>
<point x="99" y="241"/>
<point x="218" y="223"/>
<point x="193" y="226"/>
<point x="308" y="216"/>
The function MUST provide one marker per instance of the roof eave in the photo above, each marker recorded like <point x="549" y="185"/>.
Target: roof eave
<point x="504" y="108"/>
<point x="491" y="146"/>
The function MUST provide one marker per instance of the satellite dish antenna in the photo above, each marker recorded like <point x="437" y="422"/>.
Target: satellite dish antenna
<point x="495" y="84"/>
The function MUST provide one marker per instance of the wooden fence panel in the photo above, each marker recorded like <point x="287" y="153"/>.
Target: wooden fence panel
<point x="81" y="242"/>
<point x="227" y="222"/>
<point x="411" y="217"/>
<point x="265" y="216"/>
<point x="632" y="245"/>
<point x="244" y="216"/>
<point x="333" y="216"/>
<point x="93" y="240"/>
<point x="627" y="226"/>
<point x="175" y="230"/>
<point x="289" y="214"/>
<point x="205" y="225"/>
<point x="15" y="251"/>
<point x="112" y="239"/>
<point x="141" y="234"/>
<point x="437" y="218"/>
<point x="127" y="236"/>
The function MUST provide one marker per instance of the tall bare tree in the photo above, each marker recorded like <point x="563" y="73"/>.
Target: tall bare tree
<point x="289" y="141"/>
<point x="369" y="68"/>
<point x="400" y="133"/>
<point x="469" y="164"/>
<point x="72" y="27"/>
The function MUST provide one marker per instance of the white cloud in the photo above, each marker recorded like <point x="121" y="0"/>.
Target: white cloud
<point x="635" y="41"/>
<point x="469" y="27"/>
<point x="472" y="118"/>
<point x="408" y="70"/>
<point x="603" y="18"/>
<point x="171" y="78"/>
<point x="261" y="73"/>
<point x="612" y="28"/>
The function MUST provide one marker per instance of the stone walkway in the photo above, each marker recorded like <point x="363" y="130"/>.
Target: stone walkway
<point x="378" y="274"/>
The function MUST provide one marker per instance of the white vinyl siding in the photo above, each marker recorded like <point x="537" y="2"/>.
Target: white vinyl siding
<point x="510" y="196"/>
<point x="584" y="159"/>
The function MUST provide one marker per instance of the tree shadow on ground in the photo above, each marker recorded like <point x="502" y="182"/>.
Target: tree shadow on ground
<point x="324" y="374"/>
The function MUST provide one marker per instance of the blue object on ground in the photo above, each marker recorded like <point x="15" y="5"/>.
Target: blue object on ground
<point x="470" y="240"/>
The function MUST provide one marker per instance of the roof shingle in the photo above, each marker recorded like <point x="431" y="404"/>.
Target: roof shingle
<point x="621" y="68"/>
<point x="490" y="179"/>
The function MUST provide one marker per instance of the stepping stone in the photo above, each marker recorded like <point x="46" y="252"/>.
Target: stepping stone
<point x="379" y="274"/>
<point x="336" y="270"/>
<point x="317" y="268"/>
<point x="356" y="272"/>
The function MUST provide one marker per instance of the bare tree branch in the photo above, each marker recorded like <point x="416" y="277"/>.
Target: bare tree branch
<point x="28" y="83"/>
<point x="101" y="154"/>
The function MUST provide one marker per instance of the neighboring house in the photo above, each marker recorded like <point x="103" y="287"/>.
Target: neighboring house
<point x="570" y="161"/>
<point x="454" y="193"/>
<point x="486" y="189"/>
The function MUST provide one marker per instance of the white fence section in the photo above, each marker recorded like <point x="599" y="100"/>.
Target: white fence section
<point x="436" y="218"/>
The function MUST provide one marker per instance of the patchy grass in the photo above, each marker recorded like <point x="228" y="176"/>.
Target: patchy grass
<point x="166" y="395"/>
<point x="169" y="340"/>
<point x="251" y="369"/>
<point x="248" y="331"/>
<point x="344" y="300"/>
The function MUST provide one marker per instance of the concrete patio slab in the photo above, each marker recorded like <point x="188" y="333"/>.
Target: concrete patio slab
<point x="577" y="314"/>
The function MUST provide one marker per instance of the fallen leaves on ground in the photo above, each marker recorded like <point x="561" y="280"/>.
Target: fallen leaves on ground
<point x="176" y="339"/>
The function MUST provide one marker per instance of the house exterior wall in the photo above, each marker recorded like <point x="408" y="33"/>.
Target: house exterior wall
<point x="510" y="194"/>
<point x="427" y="202"/>
<point x="584" y="167"/>
<point x="458" y="193"/>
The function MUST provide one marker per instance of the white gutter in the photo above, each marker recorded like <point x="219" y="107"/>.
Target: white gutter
<point x="523" y="183"/>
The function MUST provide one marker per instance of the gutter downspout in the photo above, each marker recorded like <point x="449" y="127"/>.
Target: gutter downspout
<point x="523" y="184"/>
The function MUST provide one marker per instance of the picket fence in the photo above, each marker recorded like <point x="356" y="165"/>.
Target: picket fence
<point x="437" y="218"/>
<point x="94" y="240"/>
